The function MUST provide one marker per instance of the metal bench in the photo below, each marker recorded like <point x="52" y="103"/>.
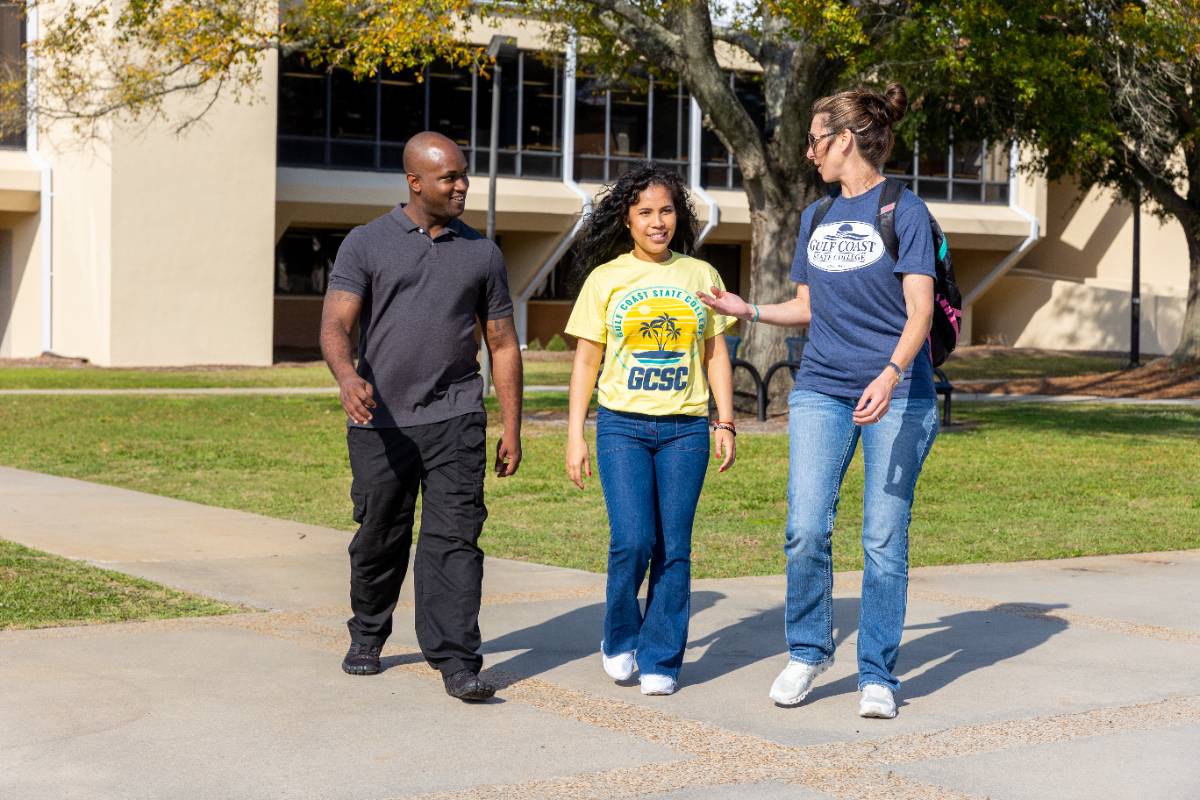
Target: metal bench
<point x="732" y="343"/>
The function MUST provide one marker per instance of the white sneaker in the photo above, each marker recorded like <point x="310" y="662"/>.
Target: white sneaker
<point x="657" y="684"/>
<point x="618" y="667"/>
<point x="796" y="680"/>
<point x="877" y="701"/>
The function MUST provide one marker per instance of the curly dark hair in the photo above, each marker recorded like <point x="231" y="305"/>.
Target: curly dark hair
<point x="605" y="234"/>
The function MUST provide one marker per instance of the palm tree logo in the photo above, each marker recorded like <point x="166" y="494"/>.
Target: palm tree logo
<point x="663" y="330"/>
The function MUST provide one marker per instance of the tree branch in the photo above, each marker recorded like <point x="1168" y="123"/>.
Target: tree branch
<point x="1161" y="189"/>
<point x="741" y="39"/>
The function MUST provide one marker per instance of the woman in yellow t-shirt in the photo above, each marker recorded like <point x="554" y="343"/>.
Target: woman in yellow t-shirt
<point x="661" y="349"/>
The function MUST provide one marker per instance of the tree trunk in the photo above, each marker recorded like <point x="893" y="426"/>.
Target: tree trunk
<point x="1189" y="345"/>
<point x="773" y="231"/>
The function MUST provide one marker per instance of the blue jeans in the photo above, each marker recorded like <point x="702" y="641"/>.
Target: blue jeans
<point x="651" y="469"/>
<point x="823" y="437"/>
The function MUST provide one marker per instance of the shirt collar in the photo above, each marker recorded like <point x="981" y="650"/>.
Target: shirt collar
<point x="407" y="224"/>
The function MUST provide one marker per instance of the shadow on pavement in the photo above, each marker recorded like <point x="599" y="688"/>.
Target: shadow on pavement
<point x="957" y="644"/>
<point x="960" y="644"/>
<point x="756" y="638"/>
<point x="566" y="638"/>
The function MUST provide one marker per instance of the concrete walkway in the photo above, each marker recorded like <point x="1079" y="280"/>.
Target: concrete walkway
<point x="1065" y="679"/>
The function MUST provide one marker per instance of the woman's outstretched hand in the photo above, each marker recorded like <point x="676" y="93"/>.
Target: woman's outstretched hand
<point x="726" y="303"/>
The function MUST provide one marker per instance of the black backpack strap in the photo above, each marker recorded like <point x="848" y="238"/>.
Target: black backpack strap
<point x="823" y="206"/>
<point x="886" y="223"/>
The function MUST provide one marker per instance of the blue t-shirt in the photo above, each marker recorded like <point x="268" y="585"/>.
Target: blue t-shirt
<point x="858" y="310"/>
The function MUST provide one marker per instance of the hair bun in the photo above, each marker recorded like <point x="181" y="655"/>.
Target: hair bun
<point x="897" y="101"/>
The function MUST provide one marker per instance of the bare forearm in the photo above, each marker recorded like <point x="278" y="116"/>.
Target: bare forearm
<point x="720" y="381"/>
<point x="337" y="350"/>
<point x="918" y="303"/>
<point x="789" y="315"/>
<point x="339" y="312"/>
<point x="912" y="339"/>
<point x="508" y="376"/>
<point x="505" y="348"/>
<point x="583" y="381"/>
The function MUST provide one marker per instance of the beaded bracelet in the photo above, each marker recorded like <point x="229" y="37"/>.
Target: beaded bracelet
<point x="721" y="425"/>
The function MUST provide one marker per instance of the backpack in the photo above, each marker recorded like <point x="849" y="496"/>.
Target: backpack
<point x="947" y="299"/>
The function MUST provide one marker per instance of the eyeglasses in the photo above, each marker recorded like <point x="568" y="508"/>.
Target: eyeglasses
<point x="812" y="140"/>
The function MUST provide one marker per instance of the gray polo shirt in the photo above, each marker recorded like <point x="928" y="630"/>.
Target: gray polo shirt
<point x="421" y="299"/>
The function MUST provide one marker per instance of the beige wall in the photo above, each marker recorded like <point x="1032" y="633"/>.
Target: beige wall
<point x="193" y="218"/>
<point x="82" y="249"/>
<point x="20" y="286"/>
<point x="1072" y="290"/>
<point x="20" y="256"/>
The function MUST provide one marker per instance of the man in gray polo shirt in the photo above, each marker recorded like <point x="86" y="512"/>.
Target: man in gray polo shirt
<point x="416" y="281"/>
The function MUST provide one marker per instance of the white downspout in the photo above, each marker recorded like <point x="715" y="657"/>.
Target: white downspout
<point x="46" y="204"/>
<point x="1016" y="254"/>
<point x="694" y="164"/>
<point x="568" y="179"/>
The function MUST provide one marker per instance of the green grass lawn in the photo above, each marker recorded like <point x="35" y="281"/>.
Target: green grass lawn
<point x="1012" y="482"/>
<point x="307" y="375"/>
<point x="547" y="373"/>
<point x="974" y="366"/>
<point x="544" y="373"/>
<point x="991" y="365"/>
<point x="39" y="590"/>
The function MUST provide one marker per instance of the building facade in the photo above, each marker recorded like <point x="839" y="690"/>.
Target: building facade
<point x="147" y="247"/>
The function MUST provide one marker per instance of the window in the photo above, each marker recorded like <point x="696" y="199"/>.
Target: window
<point x="507" y="143"/>
<point x="12" y="61"/>
<point x="670" y="120"/>
<point x="541" y="101"/>
<point x="303" y="260"/>
<point x="401" y="114"/>
<point x="960" y="172"/>
<point x="719" y="170"/>
<point x="328" y="119"/>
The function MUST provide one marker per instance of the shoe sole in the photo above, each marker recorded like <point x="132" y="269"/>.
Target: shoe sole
<point x="349" y="670"/>
<point x="790" y="702"/>
<point x="875" y="713"/>
<point x="476" y="697"/>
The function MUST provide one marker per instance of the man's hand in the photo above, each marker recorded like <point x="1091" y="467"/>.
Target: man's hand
<point x="876" y="398"/>
<point x="508" y="455"/>
<point x="358" y="398"/>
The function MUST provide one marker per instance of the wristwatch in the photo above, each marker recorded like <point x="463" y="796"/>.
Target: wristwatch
<point x="899" y="372"/>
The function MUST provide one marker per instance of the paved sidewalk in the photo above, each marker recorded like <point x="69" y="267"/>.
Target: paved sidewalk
<point x="1064" y="679"/>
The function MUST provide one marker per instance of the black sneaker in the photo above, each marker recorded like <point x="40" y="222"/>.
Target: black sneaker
<point x="467" y="686"/>
<point x="361" y="659"/>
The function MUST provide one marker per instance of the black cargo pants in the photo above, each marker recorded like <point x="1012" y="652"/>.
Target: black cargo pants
<point x="445" y="461"/>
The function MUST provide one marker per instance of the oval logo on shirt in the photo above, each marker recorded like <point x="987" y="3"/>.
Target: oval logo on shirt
<point x="657" y="327"/>
<point x="843" y="246"/>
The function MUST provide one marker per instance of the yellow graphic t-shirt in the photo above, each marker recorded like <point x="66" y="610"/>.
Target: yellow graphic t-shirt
<point x="653" y="327"/>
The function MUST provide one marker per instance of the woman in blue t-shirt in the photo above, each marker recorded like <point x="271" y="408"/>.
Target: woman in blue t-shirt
<point x="866" y="374"/>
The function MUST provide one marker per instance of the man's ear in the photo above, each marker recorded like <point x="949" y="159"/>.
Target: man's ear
<point x="414" y="183"/>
